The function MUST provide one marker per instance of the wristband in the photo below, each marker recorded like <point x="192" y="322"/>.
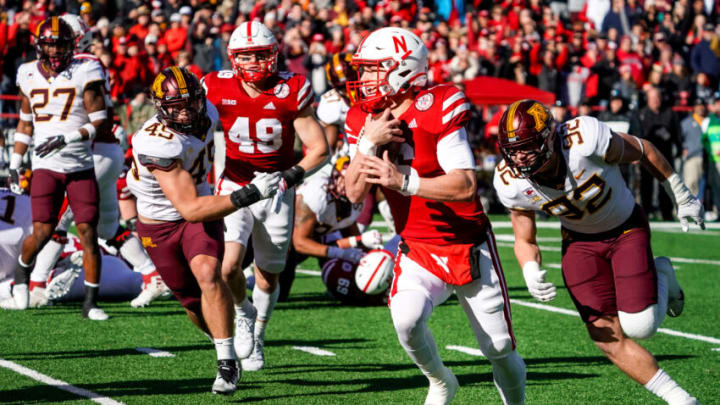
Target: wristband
<point x="98" y="115"/>
<point x="26" y="117"/>
<point x="411" y="184"/>
<point x="366" y="147"/>
<point x="22" y="138"/>
<point x="245" y="196"/>
<point x="353" y="240"/>
<point x="293" y="175"/>
<point x="15" y="161"/>
<point x="73" y="136"/>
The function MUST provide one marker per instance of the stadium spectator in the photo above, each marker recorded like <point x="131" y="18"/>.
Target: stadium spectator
<point x="660" y="126"/>
<point x="692" y="151"/>
<point x="703" y="58"/>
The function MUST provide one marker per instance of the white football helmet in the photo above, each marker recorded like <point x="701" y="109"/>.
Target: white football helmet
<point x="253" y="38"/>
<point x="398" y="60"/>
<point x="375" y="272"/>
<point x="83" y="36"/>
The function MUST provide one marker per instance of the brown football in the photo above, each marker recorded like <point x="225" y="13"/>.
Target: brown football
<point x="393" y="148"/>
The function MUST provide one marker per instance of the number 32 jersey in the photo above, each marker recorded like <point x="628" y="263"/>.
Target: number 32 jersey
<point x="192" y="153"/>
<point x="595" y="197"/>
<point x="259" y="132"/>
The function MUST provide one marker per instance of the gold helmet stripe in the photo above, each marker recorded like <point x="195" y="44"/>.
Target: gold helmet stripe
<point x="510" y="127"/>
<point x="180" y="79"/>
<point x="157" y="86"/>
<point x="338" y="67"/>
<point x="55" y="26"/>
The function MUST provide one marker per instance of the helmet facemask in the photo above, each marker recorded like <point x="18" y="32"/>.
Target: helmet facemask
<point x="541" y="146"/>
<point x="56" y="53"/>
<point x="372" y="93"/>
<point x="262" y="67"/>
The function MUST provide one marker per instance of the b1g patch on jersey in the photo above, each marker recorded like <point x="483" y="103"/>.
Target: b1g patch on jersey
<point x="531" y="194"/>
<point x="425" y="102"/>
<point x="282" y="90"/>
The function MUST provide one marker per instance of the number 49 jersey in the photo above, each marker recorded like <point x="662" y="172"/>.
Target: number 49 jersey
<point x="156" y="141"/>
<point x="259" y="132"/>
<point x="595" y="198"/>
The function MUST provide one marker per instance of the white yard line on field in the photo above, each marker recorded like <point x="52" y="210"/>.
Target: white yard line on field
<point x="314" y="350"/>
<point x="154" y="352"/>
<point x="309" y="272"/>
<point x="466" y="350"/>
<point x="58" y="383"/>
<point x="564" y="311"/>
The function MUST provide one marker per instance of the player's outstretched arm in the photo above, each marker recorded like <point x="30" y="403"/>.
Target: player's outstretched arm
<point x="179" y="188"/>
<point x="528" y="255"/>
<point x="313" y="137"/>
<point x="626" y="148"/>
<point x="23" y="137"/>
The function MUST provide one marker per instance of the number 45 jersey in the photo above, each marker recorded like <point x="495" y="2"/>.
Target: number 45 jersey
<point x="595" y="198"/>
<point x="259" y="132"/>
<point x="158" y="147"/>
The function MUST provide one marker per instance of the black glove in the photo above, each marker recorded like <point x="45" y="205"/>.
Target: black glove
<point x="51" y="145"/>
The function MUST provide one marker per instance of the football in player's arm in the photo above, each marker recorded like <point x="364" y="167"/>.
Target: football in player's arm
<point x="570" y="170"/>
<point x="426" y="170"/>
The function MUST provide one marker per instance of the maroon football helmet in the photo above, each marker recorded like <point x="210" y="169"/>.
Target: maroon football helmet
<point x="339" y="71"/>
<point x="180" y="100"/>
<point x="527" y="126"/>
<point x="339" y="277"/>
<point x="55" y="43"/>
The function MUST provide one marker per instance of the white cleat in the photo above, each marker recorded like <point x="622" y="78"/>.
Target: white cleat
<point x="151" y="291"/>
<point x="38" y="298"/>
<point x="95" y="314"/>
<point x="676" y="297"/>
<point x="60" y="285"/>
<point x="256" y="360"/>
<point x="20" y="299"/>
<point x="227" y="377"/>
<point x="244" y="340"/>
<point x="442" y="391"/>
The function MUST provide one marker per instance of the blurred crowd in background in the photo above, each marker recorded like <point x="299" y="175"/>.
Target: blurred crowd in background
<point x="650" y="68"/>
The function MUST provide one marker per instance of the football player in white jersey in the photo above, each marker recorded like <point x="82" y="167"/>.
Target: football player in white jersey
<point x="108" y="162"/>
<point x="63" y="108"/>
<point x="570" y="170"/>
<point x="325" y="223"/>
<point x="261" y="112"/>
<point x="179" y="220"/>
<point x="426" y="170"/>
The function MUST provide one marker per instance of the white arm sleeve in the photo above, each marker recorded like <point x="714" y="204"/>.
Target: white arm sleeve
<point x="453" y="151"/>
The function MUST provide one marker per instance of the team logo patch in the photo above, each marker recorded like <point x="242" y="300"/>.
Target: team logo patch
<point x="282" y="90"/>
<point x="531" y="194"/>
<point x="147" y="242"/>
<point x="425" y="102"/>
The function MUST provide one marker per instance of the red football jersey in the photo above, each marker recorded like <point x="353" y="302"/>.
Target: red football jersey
<point x="437" y="112"/>
<point x="259" y="132"/>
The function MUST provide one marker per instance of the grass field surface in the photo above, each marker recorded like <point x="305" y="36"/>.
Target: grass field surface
<point x="318" y="352"/>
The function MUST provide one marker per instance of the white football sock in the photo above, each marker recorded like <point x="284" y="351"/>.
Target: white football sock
<point x="264" y="303"/>
<point x="224" y="348"/>
<point x="509" y="378"/>
<point x="410" y="311"/>
<point x="244" y="309"/>
<point x="135" y="254"/>
<point x="45" y="261"/>
<point x="666" y="388"/>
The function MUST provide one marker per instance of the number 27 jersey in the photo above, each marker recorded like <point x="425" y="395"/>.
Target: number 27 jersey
<point x="259" y="132"/>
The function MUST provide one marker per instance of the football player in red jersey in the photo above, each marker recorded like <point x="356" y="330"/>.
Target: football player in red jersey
<point x="426" y="169"/>
<point x="261" y="110"/>
<point x="570" y="170"/>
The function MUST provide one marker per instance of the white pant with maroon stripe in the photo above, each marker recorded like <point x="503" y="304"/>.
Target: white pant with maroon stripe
<point x="484" y="300"/>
